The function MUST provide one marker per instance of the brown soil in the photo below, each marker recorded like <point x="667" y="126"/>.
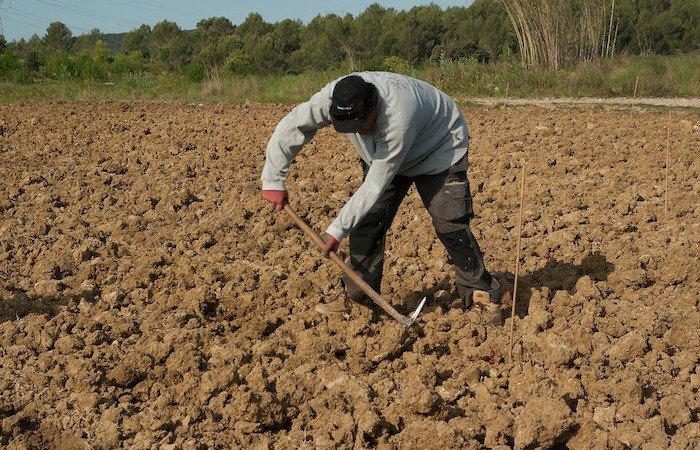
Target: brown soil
<point x="150" y="299"/>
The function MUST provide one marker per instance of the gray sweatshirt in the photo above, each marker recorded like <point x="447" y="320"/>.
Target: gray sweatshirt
<point x="419" y="131"/>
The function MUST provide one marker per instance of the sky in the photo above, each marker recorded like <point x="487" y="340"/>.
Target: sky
<point x="20" y="19"/>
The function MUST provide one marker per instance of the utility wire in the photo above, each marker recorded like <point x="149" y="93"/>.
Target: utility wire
<point x="31" y="19"/>
<point x="24" y="23"/>
<point x="89" y="13"/>
<point x="26" y="15"/>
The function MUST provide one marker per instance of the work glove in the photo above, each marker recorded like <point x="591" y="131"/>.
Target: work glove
<point x="277" y="198"/>
<point x="331" y="245"/>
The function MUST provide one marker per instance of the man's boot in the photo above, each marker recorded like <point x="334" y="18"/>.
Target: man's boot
<point x="341" y="305"/>
<point x="483" y="310"/>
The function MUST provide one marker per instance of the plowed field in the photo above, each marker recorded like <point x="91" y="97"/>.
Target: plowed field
<point x="150" y="299"/>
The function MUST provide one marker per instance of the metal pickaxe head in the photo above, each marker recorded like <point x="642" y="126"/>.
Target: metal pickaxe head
<point x="408" y="321"/>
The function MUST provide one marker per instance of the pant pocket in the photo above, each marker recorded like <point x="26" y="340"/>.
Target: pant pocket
<point x="455" y="202"/>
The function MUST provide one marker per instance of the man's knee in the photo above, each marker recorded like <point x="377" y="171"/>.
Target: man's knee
<point x="459" y="247"/>
<point x="368" y="234"/>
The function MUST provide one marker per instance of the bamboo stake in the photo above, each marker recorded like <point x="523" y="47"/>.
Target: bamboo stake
<point x="636" y="82"/>
<point x="517" y="262"/>
<point x="668" y="144"/>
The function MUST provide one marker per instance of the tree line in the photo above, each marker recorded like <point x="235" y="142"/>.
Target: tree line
<point x="546" y="34"/>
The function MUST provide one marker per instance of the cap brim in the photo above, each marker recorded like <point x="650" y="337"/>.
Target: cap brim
<point x="349" y="126"/>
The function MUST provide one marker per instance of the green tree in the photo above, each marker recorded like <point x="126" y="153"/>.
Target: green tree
<point x="239" y="62"/>
<point x="211" y="41"/>
<point x="138" y="40"/>
<point x="274" y="52"/>
<point x="86" y="42"/>
<point x="169" y="46"/>
<point x="490" y="29"/>
<point x="33" y="62"/>
<point x="28" y="51"/>
<point x="253" y="27"/>
<point x="657" y="26"/>
<point x="325" y="42"/>
<point x="10" y="65"/>
<point x="251" y="32"/>
<point x="367" y="30"/>
<point x="58" y="38"/>
<point x="688" y="15"/>
<point x="460" y="39"/>
<point x="214" y="28"/>
<point x="129" y="64"/>
<point x="215" y="54"/>
<point x="671" y="27"/>
<point x="417" y="32"/>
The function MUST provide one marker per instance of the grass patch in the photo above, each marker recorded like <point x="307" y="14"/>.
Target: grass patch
<point x="643" y="76"/>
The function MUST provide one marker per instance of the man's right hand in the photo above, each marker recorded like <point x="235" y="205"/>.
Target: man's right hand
<point x="277" y="198"/>
<point x="331" y="246"/>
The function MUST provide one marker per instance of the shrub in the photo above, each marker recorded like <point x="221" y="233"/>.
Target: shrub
<point x="195" y="72"/>
<point x="128" y="64"/>
<point x="12" y="69"/>
<point x="397" y="64"/>
<point x="239" y="63"/>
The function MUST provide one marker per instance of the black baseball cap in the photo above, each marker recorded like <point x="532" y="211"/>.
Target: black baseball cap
<point x="351" y="104"/>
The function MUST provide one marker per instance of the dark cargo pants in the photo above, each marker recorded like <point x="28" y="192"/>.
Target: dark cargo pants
<point x="448" y="199"/>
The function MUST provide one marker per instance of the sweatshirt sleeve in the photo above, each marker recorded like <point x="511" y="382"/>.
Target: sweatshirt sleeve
<point x="294" y="131"/>
<point x="389" y="154"/>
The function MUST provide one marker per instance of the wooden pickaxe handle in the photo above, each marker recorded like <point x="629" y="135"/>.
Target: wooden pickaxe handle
<point x="354" y="276"/>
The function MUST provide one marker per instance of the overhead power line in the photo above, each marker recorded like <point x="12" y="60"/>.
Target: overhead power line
<point x="50" y="11"/>
<point x="28" y="15"/>
<point x="30" y="19"/>
<point x="107" y="18"/>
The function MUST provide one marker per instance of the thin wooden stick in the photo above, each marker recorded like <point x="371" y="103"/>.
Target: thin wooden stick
<point x="636" y="82"/>
<point x="668" y="144"/>
<point x="517" y="262"/>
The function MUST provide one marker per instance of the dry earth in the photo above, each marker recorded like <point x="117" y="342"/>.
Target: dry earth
<point x="150" y="299"/>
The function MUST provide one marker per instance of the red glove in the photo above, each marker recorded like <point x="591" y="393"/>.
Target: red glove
<point x="277" y="198"/>
<point x="331" y="246"/>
